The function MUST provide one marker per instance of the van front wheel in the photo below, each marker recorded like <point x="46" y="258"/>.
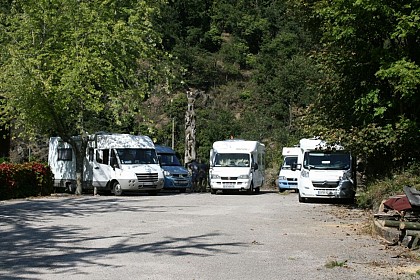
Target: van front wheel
<point x="301" y="199"/>
<point x="117" y="189"/>
<point x="249" y="191"/>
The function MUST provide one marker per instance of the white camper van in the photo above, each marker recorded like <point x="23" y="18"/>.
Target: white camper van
<point x="325" y="171"/>
<point x="236" y="165"/>
<point x="288" y="178"/>
<point x="114" y="162"/>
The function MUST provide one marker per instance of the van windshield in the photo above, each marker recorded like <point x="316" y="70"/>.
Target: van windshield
<point x="288" y="161"/>
<point x="169" y="160"/>
<point x="232" y="160"/>
<point x="331" y="160"/>
<point x="137" y="156"/>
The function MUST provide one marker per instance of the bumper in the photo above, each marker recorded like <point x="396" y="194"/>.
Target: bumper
<point x="345" y="189"/>
<point x="134" y="185"/>
<point x="286" y="185"/>
<point x="176" y="183"/>
<point x="230" y="185"/>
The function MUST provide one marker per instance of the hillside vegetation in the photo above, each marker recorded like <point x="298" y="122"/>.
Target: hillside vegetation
<point x="268" y="70"/>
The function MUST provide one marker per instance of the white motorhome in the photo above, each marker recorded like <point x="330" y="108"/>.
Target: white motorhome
<point x="325" y="171"/>
<point x="113" y="162"/>
<point x="288" y="178"/>
<point x="237" y="165"/>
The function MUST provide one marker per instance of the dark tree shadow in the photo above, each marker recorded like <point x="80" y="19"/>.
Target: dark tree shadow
<point x="28" y="243"/>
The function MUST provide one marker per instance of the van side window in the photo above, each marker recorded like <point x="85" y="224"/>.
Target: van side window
<point x="106" y="156"/>
<point x="102" y="156"/>
<point x="113" y="159"/>
<point x="262" y="160"/>
<point x="90" y="154"/>
<point x="65" y="154"/>
<point x="99" y="156"/>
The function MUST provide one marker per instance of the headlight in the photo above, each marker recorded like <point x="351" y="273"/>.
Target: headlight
<point x="304" y="174"/>
<point x="246" y="176"/>
<point x="215" y="176"/>
<point x="166" y="173"/>
<point x="346" y="175"/>
<point x="282" y="178"/>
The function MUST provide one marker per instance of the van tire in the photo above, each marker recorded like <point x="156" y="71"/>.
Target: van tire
<point x="116" y="189"/>
<point x="249" y="191"/>
<point x="301" y="199"/>
<point x="153" y="193"/>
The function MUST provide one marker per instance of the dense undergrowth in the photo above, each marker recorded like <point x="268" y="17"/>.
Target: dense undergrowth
<point x="380" y="189"/>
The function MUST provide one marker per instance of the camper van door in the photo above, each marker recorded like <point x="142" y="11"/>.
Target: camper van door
<point x="259" y="172"/>
<point x="102" y="169"/>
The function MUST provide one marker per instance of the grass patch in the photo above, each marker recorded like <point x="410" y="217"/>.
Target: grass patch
<point x="334" y="263"/>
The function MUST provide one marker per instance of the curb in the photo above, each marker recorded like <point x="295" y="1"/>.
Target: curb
<point x="392" y="235"/>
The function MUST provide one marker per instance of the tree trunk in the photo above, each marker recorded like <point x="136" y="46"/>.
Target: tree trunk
<point x="79" y="181"/>
<point x="190" y="153"/>
<point x="79" y="147"/>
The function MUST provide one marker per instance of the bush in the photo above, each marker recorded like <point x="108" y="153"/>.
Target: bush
<point x="24" y="180"/>
<point x="379" y="190"/>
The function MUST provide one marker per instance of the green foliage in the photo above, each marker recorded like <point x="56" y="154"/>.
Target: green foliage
<point x="368" y="98"/>
<point x="250" y="59"/>
<point x="403" y="77"/>
<point x="214" y="126"/>
<point x="24" y="180"/>
<point x="66" y="62"/>
<point x="270" y="70"/>
<point x="381" y="189"/>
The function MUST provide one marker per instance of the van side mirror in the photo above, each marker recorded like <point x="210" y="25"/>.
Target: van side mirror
<point x="255" y="166"/>
<point x="295" y="166"/>
<point x="113" y="162"/>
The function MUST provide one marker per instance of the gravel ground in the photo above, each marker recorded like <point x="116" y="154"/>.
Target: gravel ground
<point x="193" y="236"/>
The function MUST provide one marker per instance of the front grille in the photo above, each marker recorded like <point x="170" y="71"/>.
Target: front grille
<point x="180" y="175"/>
<point x="292" y="180"/>
<point x="325" y="184"/>
<point x="229" y="178"/>
<point x="147" y="177"/>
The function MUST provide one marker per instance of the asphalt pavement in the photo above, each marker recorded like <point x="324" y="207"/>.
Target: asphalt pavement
<point x="192" y="236"/>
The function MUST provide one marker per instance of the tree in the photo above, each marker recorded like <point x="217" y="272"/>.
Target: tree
<point x="369" y="98"/>
<point x="66" y="62"/>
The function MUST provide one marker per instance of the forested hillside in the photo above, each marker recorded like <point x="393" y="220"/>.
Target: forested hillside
<point x="267" y="70"/>
<point x="280" y="70"/>
<point x="250" y="60"/>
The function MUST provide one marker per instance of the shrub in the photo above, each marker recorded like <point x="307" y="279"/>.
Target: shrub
<point x="382" y="189"/>
<point x="24" y="180"/>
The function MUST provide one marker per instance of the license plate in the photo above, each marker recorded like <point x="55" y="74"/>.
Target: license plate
<point x="229" y="186"/>
<point x="327" y="192"/>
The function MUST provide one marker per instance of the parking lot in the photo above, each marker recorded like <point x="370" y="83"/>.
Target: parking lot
<point x="191" y="236"/>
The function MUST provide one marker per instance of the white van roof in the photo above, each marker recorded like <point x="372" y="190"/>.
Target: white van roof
<point x="237" y="146"/>
<point x="290" y="151"/>
<point x="317" y="144"/>
<point x="115" y="141"/>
